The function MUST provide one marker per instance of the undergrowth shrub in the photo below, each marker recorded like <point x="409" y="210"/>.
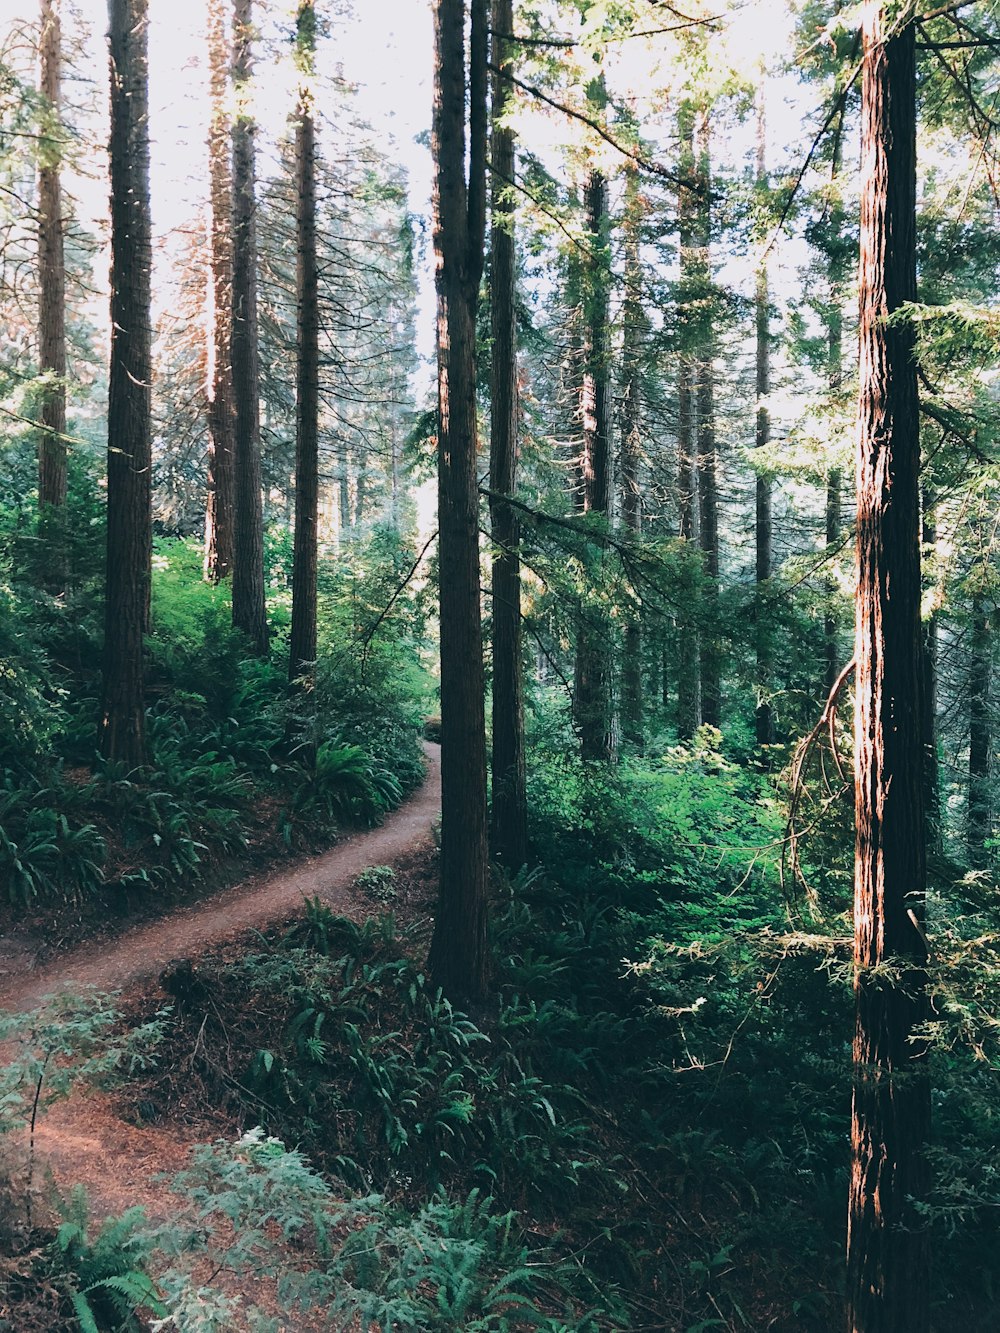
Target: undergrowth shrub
<point x="448" y="1264"/>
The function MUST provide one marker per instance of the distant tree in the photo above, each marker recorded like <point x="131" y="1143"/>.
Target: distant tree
<point x="121" y="728"/>
<point x="592" y="684"/>
<point x="458" y="959"/>
<point x="51" y="267"/>
<point x="219" y="321"/>
<point x="509" y="815"/>
<point x="888" y="1245"/>
<point x="249" y="612"/>
<point x="304" y="566"/>
<point x="688" y="663"/>
<point x="633" y="320"/>
<point x="707" y="450"/>
<point x="763" y="523"/>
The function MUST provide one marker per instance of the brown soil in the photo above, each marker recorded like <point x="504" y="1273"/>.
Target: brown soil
<point x="83" y="1140"/>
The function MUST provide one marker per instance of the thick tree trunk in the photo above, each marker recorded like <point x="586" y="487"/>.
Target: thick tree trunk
<point x="249" y="612"/>
<point x="304" y="560"/>
<point x="51" y="273"/>
<point x="765" y="713"/>
<point x="980" y="733"/>
<point x="887" y="1242"/>
<point x="593" y="663"/>
<point x="219" y="313"/>
<point x="458" y="960"/>
<point x="121" y="729"/>
<point x="509" y="829"/>
<point x="631" y="450"/>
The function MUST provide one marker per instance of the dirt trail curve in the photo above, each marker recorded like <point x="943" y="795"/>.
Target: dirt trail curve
<point x="144" y="951"/>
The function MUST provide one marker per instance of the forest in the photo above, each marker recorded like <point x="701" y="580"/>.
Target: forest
<point x="499" y="827"/>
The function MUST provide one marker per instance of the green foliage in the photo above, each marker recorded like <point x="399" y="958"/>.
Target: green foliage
<point x="450" y="1264"/>
<point x="104" y="1274"/>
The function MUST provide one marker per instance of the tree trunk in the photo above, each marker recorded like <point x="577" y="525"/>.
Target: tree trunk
<point x="593" y="663"/>
<point x="219" y="314"/>
<point x="631" y="450"/>
<point x="932" y="784"/>
<point x="249" y="612"/>
<point x="509" y="830"/>
<point x="708" y="489"/>
<point x="980" y="737"/>
<point x="765" y="714"/>
<point x="51" y="276"/>
<point x="887" y="1243"/>
<point x="121" y="729"/>
<point x="458" y="959"/>
<point x="304" y="560"/>
<point x="688" y="658"/>
<point x="834" y="480"/>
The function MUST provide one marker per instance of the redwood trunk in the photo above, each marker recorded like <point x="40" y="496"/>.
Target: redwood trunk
<point x="980" y="733"/>
<point x="219" y="321"/>
<point x="932" y="784"/>
<point x="248" y="523"/>
<point x="888" y="1246"/>
<point x="763" y="524"/>
<point x="631" y="451"/>
<point x="51" y="270"/>
<point x="121" y="729"/>
<point x="458" y="960"/>
<point x="708" y="487"/>
<point x="509" y="831"/>
<point x="688" y="662"/>
<point x="593" y="666"/>
<point x="304" y="561"/>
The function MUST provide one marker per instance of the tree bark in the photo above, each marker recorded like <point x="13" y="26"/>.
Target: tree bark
<point x="219" y="312"/>
<point x="708" y="487"/>
<point x="249" y="612"/>
<point x="121" y="729"/>
<point x="458" y="958"/>
<point x="932" y="783"/>
<point x="688" y="658"/>
<point x="631" y="450"/>
<point x="305" y="554"/>
<point x="509" y="828"/>
<point x="592" y="684"/>
<point x="763" y="522"/>
<point x="887" y="1242"/>
<point x="980" y="731"/>
<point x="51" y="273"/>
<point x="834" y="480"/>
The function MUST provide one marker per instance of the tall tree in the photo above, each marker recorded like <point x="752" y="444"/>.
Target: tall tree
<point x="593" y="664"/>
<point x="121" y="730"/>
<point x="509" y="829"/>
<point x="980" y="729"/>
<point x="51" y="268"/>
<point x="765" y="713"/>
<point x="304" y="561"/>
<point x="249" y="612"/>
<point x="631" y="446"/>
<point x="458" y="948"/>
<point x="688" y="660"/>
<point x="219" y="311"/>
<point x="708" y="482"/>
<point x="887" y="1243"/>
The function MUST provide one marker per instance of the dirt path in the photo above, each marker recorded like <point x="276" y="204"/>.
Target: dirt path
<point x="82" y="1140"/>
<point x="145" y="950"/>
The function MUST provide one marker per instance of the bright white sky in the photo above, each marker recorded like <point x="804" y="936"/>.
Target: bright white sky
<point x="384" y="47"/>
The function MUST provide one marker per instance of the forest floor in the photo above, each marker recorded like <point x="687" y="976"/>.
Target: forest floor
<point x="84" y="1140"/>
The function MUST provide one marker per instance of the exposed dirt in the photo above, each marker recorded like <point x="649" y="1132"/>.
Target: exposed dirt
<point x="83" y="1140"/>
<point x="144" y="951"/>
